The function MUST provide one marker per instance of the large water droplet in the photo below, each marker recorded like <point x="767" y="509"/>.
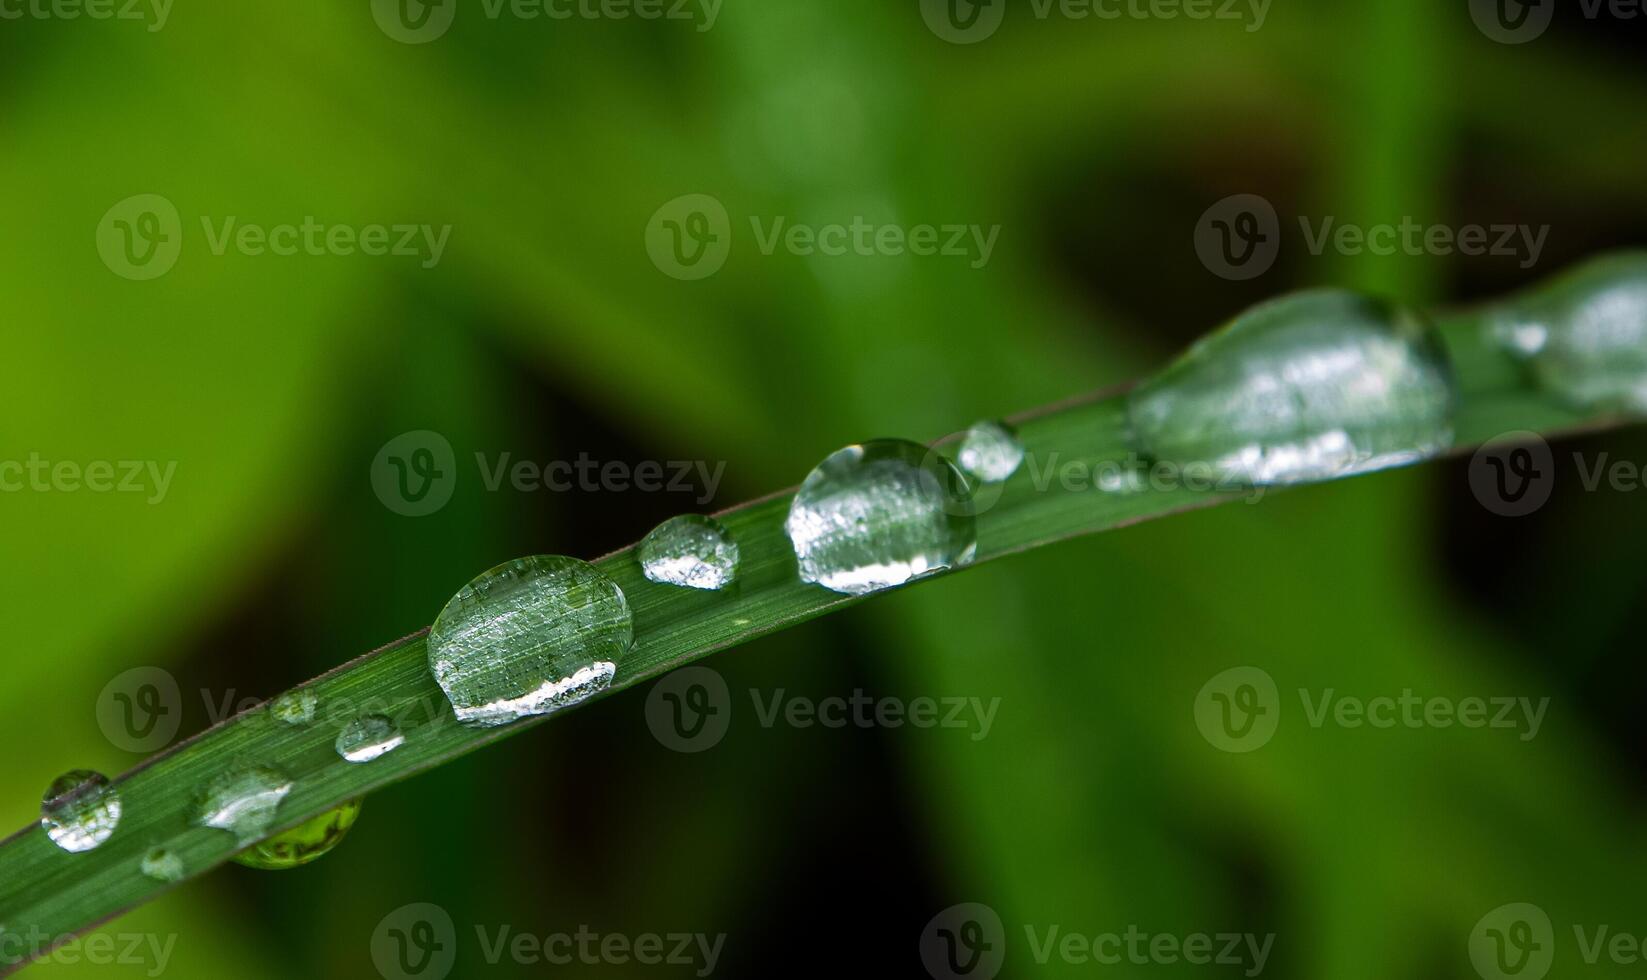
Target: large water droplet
<point x="80" y="810"/>
<point x="990" y="452"/>
<point x="1308" y="387"/>
<point x="692" y="551"/>
<point x="877" y="515"/>
<point x="162" y="865"/>
<point x="369" y="738"/>
<point x="529" y="637"/>
<point x="242" y="802"/>
<point x="306" y="842"/>
<point x="1584" y="334"/>
<point x="295" y="708"/>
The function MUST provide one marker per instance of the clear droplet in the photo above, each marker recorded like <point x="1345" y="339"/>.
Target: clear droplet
<point x="1584" y="335"/>
<point x="529" y="637"/>
<point x="877" y="515"/>
<point x="162" y="865"/>
<point x="242" y="802"/>
<point x="369" y="738"/>
<point x="990" y="452"/>
<point x="692" y="551"/>
<point x="308" y="841"/>
<point x="1309" y="387"/>
<point x="80" y="810"/>
<point x="295" y="708"/>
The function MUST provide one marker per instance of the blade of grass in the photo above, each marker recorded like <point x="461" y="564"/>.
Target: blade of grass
<point x="47" y="896"/>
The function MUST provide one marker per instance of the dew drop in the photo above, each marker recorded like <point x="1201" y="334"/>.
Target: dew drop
<point x="990" y="452"/>
<point x="692" y="551"/>
<point x="1584" y="334"/>
<point x="1309" y="387"/>
<point x="162" y="865"/>
<point x="242" y="802"/>
<point x="529" y="637"/>
<point x="295" y="708"/>
<point x="369" y="738"/>
<point x="80" y="810"/>
<point x="880" y="514"/>
<point x="308" y="841"/>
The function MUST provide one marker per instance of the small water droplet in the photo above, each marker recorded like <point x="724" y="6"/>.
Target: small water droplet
<point x="880" y="514"/>
<point x="692" y="551"/>
<point x="990" y="452"/>
<point x="162" y="865"/>
<point x="369" y="738"/>
<point x="1309" y="387"/>
<point x="529" y="637"/>
<point x="242" y="802"/>
<point x="1585" y="333"/>
<point x="295" y="708"/>
<point x="308" y="841"/>
<point x="80" y="810"/>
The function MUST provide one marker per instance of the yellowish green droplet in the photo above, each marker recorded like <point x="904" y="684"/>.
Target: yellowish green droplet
<point x="304" y="843"/>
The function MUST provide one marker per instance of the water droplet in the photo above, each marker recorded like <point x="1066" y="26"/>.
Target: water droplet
<point x="308" y="841"/>
<point x="162" y="865"/>
<point x="692" y="551"/>
<point x="295" y="708"/>
<point x="242" y="802"/>
<point x="529" y="637"/>
<point x="80" y="810"/>
<point x="1313" y="386"/>
<point x="369" y="738"/>
<point x="1584" y="334"/>
<point x="877" y="515"/>
<point x="990" y="452"/>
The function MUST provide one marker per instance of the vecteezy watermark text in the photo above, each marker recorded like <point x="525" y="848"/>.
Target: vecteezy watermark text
<point x="1240" y="238"/>
<point x="37" y="474"/>
<point x="153" y="13"/>
<point x="142" y="237"/>
<point x="420" y="942"/>
<point x="423" y="21"/>
<point x="691" y="709"/>
<point x="972" y="21"/>
<point x="690" y="238"/>
<point x="1239" y="710"/>
<point x="969" y="942"/>
<point x="415" y="474"/>
<point x="150" y="951"/>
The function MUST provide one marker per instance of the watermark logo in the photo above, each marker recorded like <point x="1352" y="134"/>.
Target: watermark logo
<point x="1512" y="21"/>
<point x="963" y="21"/>
<point x="690" y="237"/>
<point x="690" y="710"/>
<point x="149" y="952"/>
<point x="140" y="710"/>
<point x="414" y="21"/>
<point x="415" y="942"/>
<point x="1513" y="942"/>
<point x="38" y="474"/>
<point x="1239" y="710"/>
<point x="964" y="942"/>
<point x="141" y="237"/>
<point x="972" y="21"/>
<point x="415" y="473"/>
<point x="1514" y="474"/>
<point x="153" y="13"/>
<point x="423" y="21"/>
<point x="1240" y="237"/>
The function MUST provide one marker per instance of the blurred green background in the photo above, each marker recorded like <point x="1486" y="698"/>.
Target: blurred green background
<point x="545" y="331"/>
